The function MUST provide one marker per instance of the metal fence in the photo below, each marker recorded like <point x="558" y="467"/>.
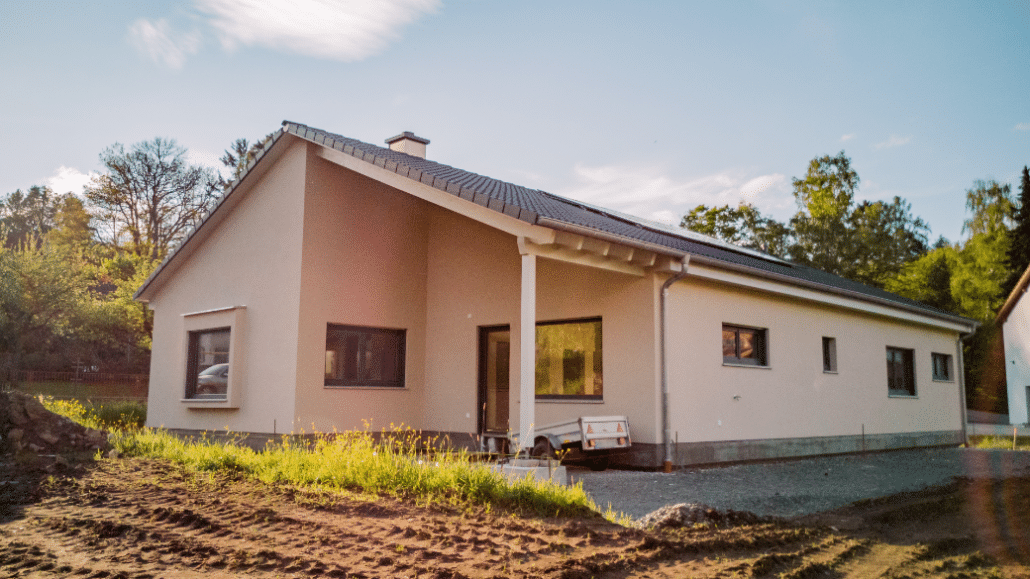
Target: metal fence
<point x="95" y="386"/>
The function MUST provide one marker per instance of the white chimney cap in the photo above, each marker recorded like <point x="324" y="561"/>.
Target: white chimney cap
<point x="408" y="142"/>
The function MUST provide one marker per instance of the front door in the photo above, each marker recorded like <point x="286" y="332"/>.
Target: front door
<point x="494" y="357"/>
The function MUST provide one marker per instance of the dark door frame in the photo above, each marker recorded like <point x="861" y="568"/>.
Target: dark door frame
<point x="484" y="331"/>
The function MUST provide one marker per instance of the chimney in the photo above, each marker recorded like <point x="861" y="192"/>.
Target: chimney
<point x="407" y="142"/>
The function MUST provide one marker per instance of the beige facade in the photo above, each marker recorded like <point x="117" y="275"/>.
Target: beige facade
<point x="313" y="238"/>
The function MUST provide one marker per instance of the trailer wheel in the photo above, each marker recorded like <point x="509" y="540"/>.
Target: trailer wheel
<point x="543" y="449"/>
<point x="599" y="463"/>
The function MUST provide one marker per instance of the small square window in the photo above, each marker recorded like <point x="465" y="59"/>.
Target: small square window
<point x="357" y="356"/>
<point x="829" y="354"/>
<point x="901" y="376"/>
<point x="941" y="367"/>
<point x="744" y="346"/>
<point x="569" y="361"/>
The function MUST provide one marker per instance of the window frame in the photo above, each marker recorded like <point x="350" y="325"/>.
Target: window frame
<point x="233" y="319"/>
<point x="907" y="367"/>
<point x="829" y="355"/>
<point x="364" y="333"/>
<point x="946" y="365"/>
<point x="595" y="398"/>
<point x="761" y="360"/>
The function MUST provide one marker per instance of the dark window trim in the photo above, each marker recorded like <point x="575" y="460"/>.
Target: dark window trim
<point x="365" y="331"/>
<point x="908" y="367"/>
<point x="949" y="376"/>
<point x="573" y="397"/>
<point x="762" y="360"/>
<point x="193" y="367"/>
<point x="829" y="355"/>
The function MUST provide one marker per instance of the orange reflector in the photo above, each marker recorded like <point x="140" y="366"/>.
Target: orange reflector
<point x="590" y="429"/>
<point x="619" y="429"/>
<point x="622" y="441"/>
<point x="592" y="443"/>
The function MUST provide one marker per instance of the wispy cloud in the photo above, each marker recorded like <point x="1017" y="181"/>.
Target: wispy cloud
<point x="847" y="137"/>
<point x="346" y="30"/>
<point x="894" y="141"/>
<point x="158" y="41"/>
<point x="649" y="193"/>
<point x="1022" y="127"/>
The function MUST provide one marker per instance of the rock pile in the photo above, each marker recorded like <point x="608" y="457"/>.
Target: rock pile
<point x="689" y="514"/>
<point x="26" y="425"/>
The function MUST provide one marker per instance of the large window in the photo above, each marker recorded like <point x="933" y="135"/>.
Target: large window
<point x="568" y="360"/>
<point x="745" y="346"/>
<point x="356" y="356"/>
<point x="901" y="376"/>
<point x="941" y="367"/>
<point x="207" y="366"/>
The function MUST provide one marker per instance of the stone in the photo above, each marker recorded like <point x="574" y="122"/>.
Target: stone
<point x="48" y="437"/>
<point x="15" y="435"/>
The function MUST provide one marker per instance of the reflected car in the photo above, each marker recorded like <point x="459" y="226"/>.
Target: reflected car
<point x="213" y="381"/>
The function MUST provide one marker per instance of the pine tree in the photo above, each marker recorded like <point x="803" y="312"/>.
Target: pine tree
<point x="1019" y="250"/>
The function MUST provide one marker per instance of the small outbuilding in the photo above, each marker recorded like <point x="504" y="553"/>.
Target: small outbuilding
<point x="339" y="283"/>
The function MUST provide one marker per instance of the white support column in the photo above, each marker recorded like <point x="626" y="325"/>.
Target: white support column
<point x="527" y="351"/>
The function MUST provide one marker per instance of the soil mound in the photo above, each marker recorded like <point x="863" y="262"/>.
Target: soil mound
<point x="26" y="425"/>
<point x="690" y="514"/>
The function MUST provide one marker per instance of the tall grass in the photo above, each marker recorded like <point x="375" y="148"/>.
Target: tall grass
<point x="1000" y="442"/>
<point x="109" y="416"/>
<point x="395" y="463"/>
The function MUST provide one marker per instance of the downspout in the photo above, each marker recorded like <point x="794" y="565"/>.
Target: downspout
<point x="666" y="431"/>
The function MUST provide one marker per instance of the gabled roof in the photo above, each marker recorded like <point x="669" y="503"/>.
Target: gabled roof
<point x="1014" y="296"/>
<point x="549" y="210"/>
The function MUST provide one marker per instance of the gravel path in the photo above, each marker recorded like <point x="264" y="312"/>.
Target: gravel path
<point x="797" y="487"/>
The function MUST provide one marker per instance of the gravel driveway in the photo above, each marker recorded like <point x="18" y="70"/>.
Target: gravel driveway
<point x="797" y="487"/>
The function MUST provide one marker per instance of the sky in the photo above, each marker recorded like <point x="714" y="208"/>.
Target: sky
<point x="649" y="108"/>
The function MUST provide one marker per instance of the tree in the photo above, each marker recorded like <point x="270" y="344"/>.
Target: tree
<point x="928" y="279"/>
<point x="30" y="215"/>
<point x="73" y="226"/>
<point x="237" y="157"/>
<point x="991" y="206"/>
<point x="743" y="225"/>
<point x="868" y="242"/>
<point x="1019" y="248"/>
<point x="151" y="194"/>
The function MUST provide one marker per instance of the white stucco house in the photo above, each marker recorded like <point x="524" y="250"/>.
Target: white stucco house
<point x="339" y="282"/>
<point x="1014" y="317"/>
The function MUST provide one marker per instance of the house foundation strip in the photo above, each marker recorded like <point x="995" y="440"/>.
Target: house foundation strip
<point x="527" y="349"/>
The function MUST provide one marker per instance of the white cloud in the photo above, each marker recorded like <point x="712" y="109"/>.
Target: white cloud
<point x="158" y="41"/>
<point x="894" y="141"/>
<point x="346" y="30"/>
<point x="649" y="193"/>
<point x="847" y="137"/>
<point x="1022" y="127"/>
<point x="68" y="179"/>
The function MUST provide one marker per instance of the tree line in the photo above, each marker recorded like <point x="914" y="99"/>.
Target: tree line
<point x="70" y="263"/>
<point x="881" y="244"/>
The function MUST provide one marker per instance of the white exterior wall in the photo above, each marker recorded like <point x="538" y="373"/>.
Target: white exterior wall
<point x="364" y="265"/>
<point x="793" y="397"/>
<point x="1016" y="331"/>
<point x="252" y="258"/>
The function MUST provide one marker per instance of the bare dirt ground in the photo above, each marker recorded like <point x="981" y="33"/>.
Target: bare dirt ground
<point x="133" y="518"/>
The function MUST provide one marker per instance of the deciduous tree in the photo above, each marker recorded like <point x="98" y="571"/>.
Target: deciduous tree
<point x="151" y="194"/>
<point x="743" y="225"/>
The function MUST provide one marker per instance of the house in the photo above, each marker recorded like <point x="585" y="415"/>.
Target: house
<point x="343" y="283"/>
<point x="1014" y="317"/>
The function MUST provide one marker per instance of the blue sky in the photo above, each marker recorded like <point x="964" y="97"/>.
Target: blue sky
<point x="649" y="108"/>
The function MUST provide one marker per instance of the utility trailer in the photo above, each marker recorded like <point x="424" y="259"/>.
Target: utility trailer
<point x="594" y="438"/>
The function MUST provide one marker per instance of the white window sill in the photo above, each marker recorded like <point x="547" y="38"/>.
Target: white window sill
<point x="903" y="396"/>
<point x="385" y="388"/>
<point x="731" y="365"/>
<point x="949" y="381"/>
<point x="834" y="372"/>
<point x="199" y="403"/>
<point x="570" y="401"/>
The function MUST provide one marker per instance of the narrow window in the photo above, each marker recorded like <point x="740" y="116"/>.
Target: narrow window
<point x="941" y="367"/>
<point x="901" y="378"/>
<point x="357" y="356"/>
<point x="744" y="346"/>
<point x="568" y="360"/>
<point x="207" y="365"/>
<point x="829" y="354"/>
